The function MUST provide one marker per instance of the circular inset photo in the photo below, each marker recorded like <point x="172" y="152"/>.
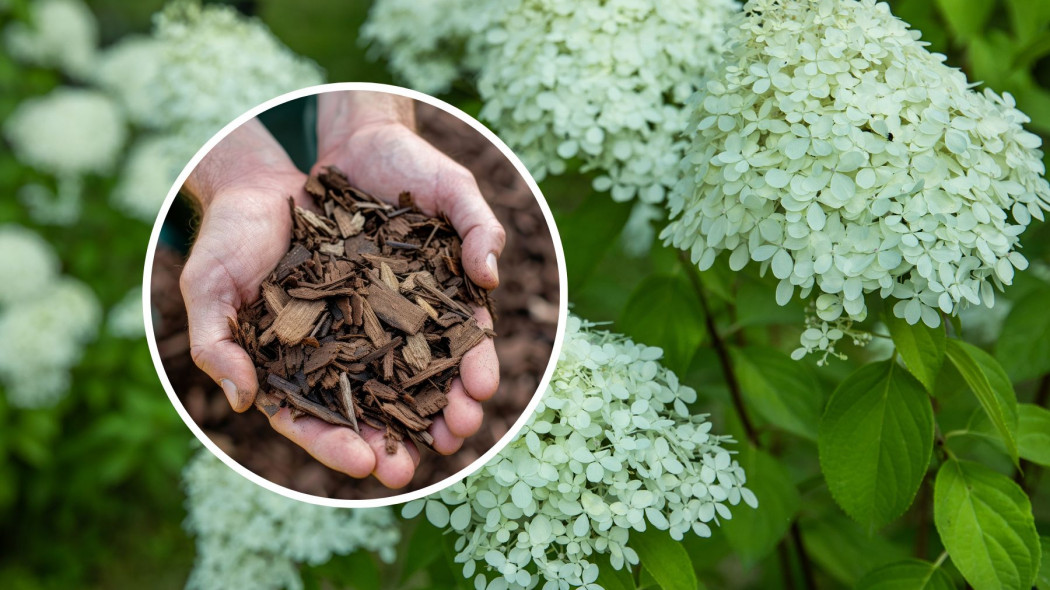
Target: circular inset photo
<point x="356" y="294"/>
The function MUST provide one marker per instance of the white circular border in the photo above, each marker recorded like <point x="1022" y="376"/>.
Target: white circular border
<point x="563" y="305"/>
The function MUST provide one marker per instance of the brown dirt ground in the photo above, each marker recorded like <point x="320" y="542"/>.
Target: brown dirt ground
<point x="526" y="306"/>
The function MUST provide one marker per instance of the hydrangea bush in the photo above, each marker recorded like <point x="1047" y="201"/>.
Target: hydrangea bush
<point x="61" y="34"/>
<point x="604" y="83"/>
<point x="613" y="447"/>
<point x="45" y="320"/>
<point x="425" y="42"/>
<point x="250" y="537"/>
<point x="833" y="149"/>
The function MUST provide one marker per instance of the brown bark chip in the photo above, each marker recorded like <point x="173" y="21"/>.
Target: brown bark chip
<point x="368" y="293"/>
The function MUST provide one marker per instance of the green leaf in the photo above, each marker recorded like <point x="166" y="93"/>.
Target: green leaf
<point x="921" y="347"/>
<point x="420" y="551"/>
<point x="754" y="533"/>
<point x="1024" y="343"/>
<point x="966" y="18"/>
<point x="611" y="578"/>
<point x="1042" y="580"/>
<point x="588" y="232"/>
<point x="647" y="319"/>
<point x="665" y="559"/>
<point x="911" y="574"/>
<point x="783" y="391"/>
<point x="843" y="549"/>
<point x="876" y="438"/>
<point x="1033" y="433"/>
<point x="985" y="522"/>
<point x="992" y="387"/>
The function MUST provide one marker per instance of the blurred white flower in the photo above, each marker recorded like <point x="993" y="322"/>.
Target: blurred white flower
<point x="68" y="132"/>
<point x="125" y="320"/>
<point x="152" y="165"/>
<point x="126" y="70"/>
<point x="216" y="64"/>
<point x="61" y="34"/>
<point x="27" y="261"/>
<point x="53" y="207"/>
<point x="601" y="82"/>
<point x="612" y="447"/>
<point x="42" y="337"/>
<point x="424" y="42"/>
<point x="834" y="150"/>
<point x="250" y="537"/>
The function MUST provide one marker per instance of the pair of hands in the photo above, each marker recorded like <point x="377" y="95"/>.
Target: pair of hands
<point x="243" y="185"/>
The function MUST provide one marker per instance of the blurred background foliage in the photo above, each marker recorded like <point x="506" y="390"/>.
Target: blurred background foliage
<point x="89" y="493"/>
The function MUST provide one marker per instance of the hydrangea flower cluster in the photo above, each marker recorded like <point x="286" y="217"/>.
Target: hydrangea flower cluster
<point x="124" y="320"/>
<point x="428" y="57"/>
<point x="68" y="132"/>
<point x="126" y="70"/>
<point x="150" y="169"/>
<point x="60" y="34"/>
<point x="834" y="150"/>
<point x="604" y="83"/>
<point x="250" y="537"/>
<point x="214" y="51"/>
<point x="45" y="320"/>
<point x="611" y="448"/>
<point x="601" y="81"/>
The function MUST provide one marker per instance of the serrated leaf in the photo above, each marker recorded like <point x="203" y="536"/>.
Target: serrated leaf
<point x="993" y="389"/>
<point x="1023" y="347"/>
<point x="876" y="438"/>
<point x="1033" y="433"/>
<point x="783" y="391"/>
<point x="985" y="523"/>
<point x="663" y="311"/>
<point x="665" y="559"/>
<point x="754" y="533"/>
<point x="921" y="347"/>
<point x="910" y="574"/>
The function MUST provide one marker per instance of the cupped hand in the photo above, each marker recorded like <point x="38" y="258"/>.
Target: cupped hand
<point x="384" y="157"/>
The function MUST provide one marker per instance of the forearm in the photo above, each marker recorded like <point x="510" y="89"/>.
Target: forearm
<point x="341" y="114"/>
<point x="246" y="158"/>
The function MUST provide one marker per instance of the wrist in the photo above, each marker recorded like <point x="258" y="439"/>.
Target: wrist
<point x="247" y="161"/>
<point x="342" y="115"/>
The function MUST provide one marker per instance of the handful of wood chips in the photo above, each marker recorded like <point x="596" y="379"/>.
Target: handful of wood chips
<point x="366" y="318"/>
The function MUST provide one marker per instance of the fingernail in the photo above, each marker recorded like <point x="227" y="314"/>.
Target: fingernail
<point x="491" y="262"/>
<point x="230" y="389"/>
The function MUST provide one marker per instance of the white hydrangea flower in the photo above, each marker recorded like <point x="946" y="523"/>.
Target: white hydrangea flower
<point x="250" y="537"/>
<point x="833" y="149"/>
<point x="125" y="319"/>
<point x="41" y="337"/>
<point x="68" y="132"/>
<point x="611" y="448"/>
<point x="424" y="42"/>
<point x="53" y="207"/>
<point x="126" y="70"/>
<point x="61" y="34"/>
<point x="217" y="64"/>
<point x="601" y="82"/>
<point x="151" y="167"/>
<point x="26" y="255"/>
